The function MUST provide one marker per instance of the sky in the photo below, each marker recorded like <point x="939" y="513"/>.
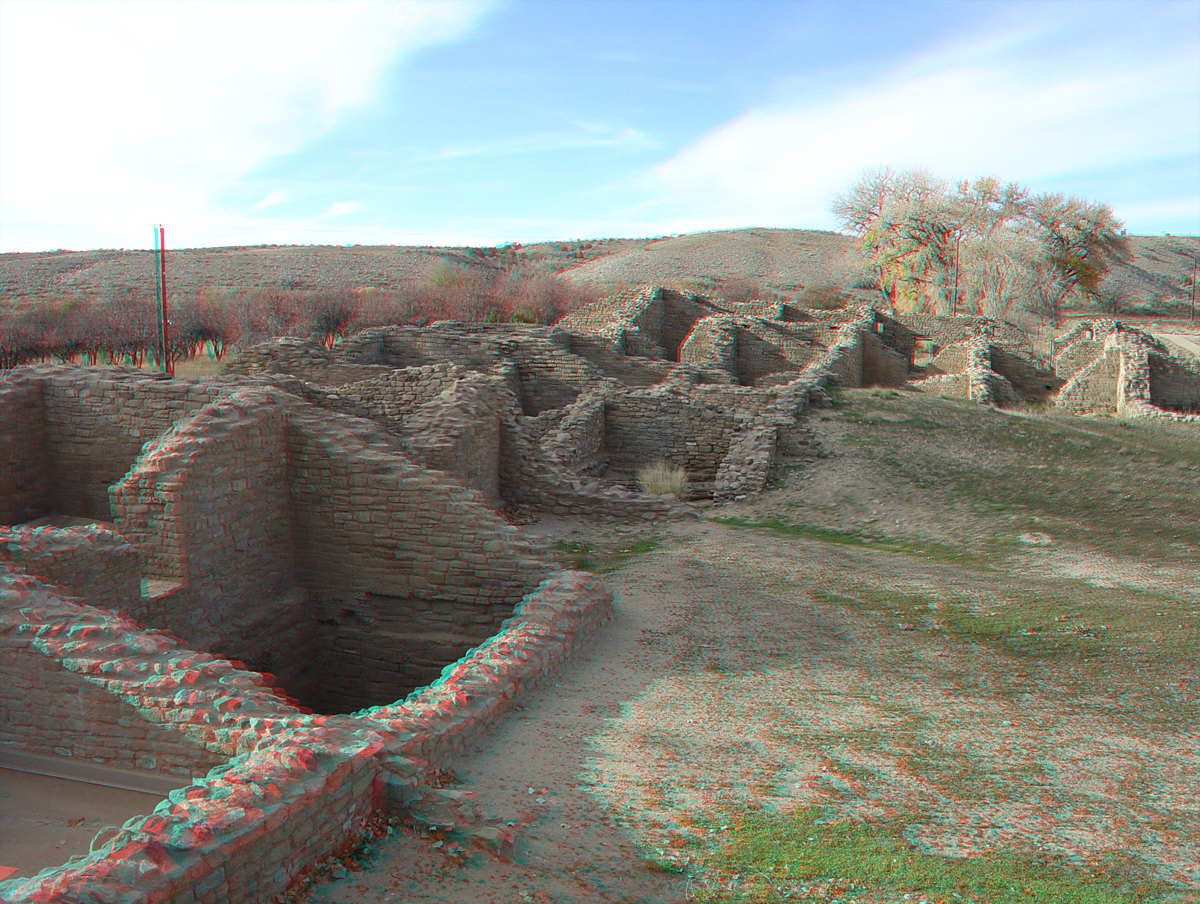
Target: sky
<point x="480" y="123"/>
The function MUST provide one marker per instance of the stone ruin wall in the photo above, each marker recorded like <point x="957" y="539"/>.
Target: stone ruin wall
<point x="1175" y="383"/>
<point x="25" y="486"/>
<point x="1129" y="374"/>
<point x="346" y="493"/>
<point x="260" y="767"/>
<point x="101" y="566"/>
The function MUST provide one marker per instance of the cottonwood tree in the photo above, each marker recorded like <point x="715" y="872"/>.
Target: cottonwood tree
<point x="978" y="247"/>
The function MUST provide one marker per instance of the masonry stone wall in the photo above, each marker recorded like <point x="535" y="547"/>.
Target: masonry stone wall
<point x="712" y="344"/>
<point x="385" y="647"/>
<point x="304" y="359"/>
<point x="765" y="348"/>
<point x="636" y="315"/>
<point x="1073" y="357"/>
<point x="25" y="485"/>
<point x="882" y="365"/>
<point x="577" y="442"/>
<point x="97" y="421"/>
<point x="1175" y="383"/>
<point x="952" y="359"/>
<point x="367" y="519"/>
<point x="643" y="427"/>
<point x="549" y="374"/>
<point x="50" y="711"/>
<point x="458" y="432"/>
<point x="1093" y="389"/>
<point x="100" y="566"/>
<point x="1029" y="381"/>
<point x="947" y="330"/>
<point x="391" y="399"/>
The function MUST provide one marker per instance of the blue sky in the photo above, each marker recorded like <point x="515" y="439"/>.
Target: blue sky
<point x="485" y="122"/>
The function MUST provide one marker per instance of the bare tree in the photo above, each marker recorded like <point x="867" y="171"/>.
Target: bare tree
<point x="979" y="247"/>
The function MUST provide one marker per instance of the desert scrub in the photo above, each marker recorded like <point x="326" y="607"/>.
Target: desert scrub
<point x="660" y="479"/>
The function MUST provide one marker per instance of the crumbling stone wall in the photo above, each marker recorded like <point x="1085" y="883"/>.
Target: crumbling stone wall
<point x="101" y="566"/>
<point x="25" y="486"/>
<point x="712" y="345"/>
<point x="1093" y="388"/>
<point x="577" y="443"/>
<point x="1175" y="383"/>
<point x="1073" y="357"/>
<point x="642" y="427"/>
<point x="947" y="330"/>
<point x="972" y="376"/>
<point x="765" y="348"/>
<point x="458" y="431"/>
<point x="632" y="319"/>
<point x="98" y="419"/>
<point x="53" y="711"/>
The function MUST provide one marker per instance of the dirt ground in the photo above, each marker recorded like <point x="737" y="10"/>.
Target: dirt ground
<point x="978" y="627"/>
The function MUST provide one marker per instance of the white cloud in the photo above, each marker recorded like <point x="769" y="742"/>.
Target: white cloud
<point x="273" y="198"/>
<point x="340" y="209"/>
<point x="133" y="113"/>
<point x="584" y="135"/>
<point x="1004" y="106"/>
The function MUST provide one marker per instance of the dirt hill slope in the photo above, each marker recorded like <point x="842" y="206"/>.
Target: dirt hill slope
<point x="779" y="260"/>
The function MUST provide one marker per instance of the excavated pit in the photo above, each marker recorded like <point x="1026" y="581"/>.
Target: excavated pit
<point x="378" y="652"/>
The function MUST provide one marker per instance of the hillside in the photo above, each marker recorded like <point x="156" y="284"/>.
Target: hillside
<point x="783" y="261"/>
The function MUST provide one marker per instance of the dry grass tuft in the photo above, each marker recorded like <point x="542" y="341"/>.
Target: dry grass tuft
<point x="660" y="479"/>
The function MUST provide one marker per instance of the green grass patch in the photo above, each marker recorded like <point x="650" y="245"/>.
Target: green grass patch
<point x="584" y="557"/>
<point x="826" y="535"/>
<point x="768" y="853"/>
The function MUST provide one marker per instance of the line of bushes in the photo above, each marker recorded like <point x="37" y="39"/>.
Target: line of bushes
<point x="123" y="328"/>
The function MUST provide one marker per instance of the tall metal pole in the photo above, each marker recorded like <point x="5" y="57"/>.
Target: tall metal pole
<point x="1192" y="304"/>
<point x="160" y="290"/>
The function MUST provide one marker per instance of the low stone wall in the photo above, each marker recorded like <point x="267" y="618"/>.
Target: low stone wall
<point x="746" y="467"/>
<point x="948" y="330"/>
<point x="1075" y="356"/>
<point x="304" y="359"/>
<point x="1093" y="389"/>
<point x="577" y="442"/>
<point x="297" y="787"/>
<point x="458" y="432"/>
<point x="642" y="427"/>
<point x="52" y="710"/>
<point x="1175" y="383"/>
<point x="102" y="567"/>
<point x="25" y="488"/>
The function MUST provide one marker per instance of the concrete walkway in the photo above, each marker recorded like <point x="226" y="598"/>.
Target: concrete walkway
<point x="1189" y="342"/>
